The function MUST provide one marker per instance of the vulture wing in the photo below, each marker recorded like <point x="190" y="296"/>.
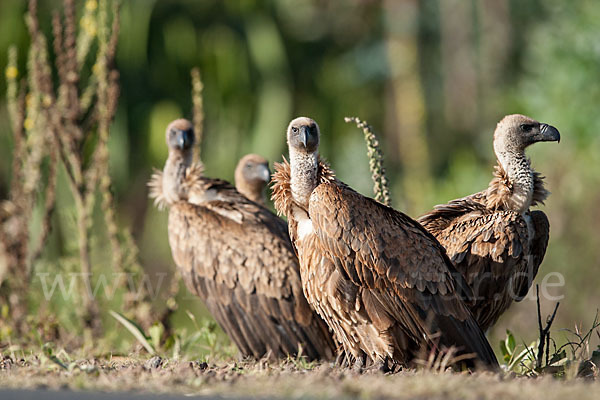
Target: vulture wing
<point x="539" y="244"/>
<point x="405" y="281"/>
<point x="236" y="255"/>
<point x="490" y="248"/>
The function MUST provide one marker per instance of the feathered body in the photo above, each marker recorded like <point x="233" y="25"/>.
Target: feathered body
<point x="380" y="281"/>
<point x="237" y="257"/>
<point x="493" y="237"/>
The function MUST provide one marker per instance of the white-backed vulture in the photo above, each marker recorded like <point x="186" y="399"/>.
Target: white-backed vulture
<point x="236" y="255"/>
<point x="251" y="177"/>
<point x="492" y="237"/>
<point x="382" y="283"/>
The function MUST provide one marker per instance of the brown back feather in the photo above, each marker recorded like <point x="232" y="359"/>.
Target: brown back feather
<point x="236" y="255"/>
<point x="488" y="242"/>
<point x="376" y="283"/>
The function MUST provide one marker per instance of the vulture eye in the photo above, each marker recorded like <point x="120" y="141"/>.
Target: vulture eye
<point x="248" y="166"/>
<point x="526" y="127"/>
<point x="294" y="129"/>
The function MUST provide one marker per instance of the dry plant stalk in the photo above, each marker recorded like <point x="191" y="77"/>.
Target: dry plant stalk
<point x="18" y="208"/>
<point x="34" y="146"/>
<point x="544" y="341"/>
<point x="108" y="93"/>
<point x="380" y="182"/>
<point x="441" y="360"/>
<point x="56" y="124"/>
<point x="198" y="109"/>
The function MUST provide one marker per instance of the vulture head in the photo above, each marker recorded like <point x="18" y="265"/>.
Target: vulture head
<point x="515" y="132"/>
<point x="180" y="136"/>
<point x="303" y="135"/>
<point x="251" y="176"/>
<point x="165" y="186"/>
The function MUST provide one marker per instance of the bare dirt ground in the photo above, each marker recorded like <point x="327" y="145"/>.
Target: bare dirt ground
<point x="288" y="379"/>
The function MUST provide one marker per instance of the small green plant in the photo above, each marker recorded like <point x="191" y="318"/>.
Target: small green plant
<point x="538" y="358"/>
<point x="529" y="361"/>
<point x="203" y="342"/>
<point x="517" y="359"/>
<point x="300" y="361"/>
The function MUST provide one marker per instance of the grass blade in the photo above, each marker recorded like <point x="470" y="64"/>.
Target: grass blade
<point x="135" y="330"/>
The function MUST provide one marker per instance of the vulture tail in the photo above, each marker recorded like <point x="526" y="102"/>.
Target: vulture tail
<point x="468" y="338"/>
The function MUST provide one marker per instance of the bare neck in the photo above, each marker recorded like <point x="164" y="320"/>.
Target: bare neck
<point x="520" y="175"/>
<point x="174" y="173"/>
<point x="304" y="169"/>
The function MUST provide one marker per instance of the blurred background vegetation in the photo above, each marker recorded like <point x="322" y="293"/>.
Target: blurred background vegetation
<point x="432" y="77"/>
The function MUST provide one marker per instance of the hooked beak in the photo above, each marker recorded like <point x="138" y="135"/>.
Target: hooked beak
<point x="304" y="136"/>
<point x="183" y="139"/>
<point x="549" y="133"/>
<point x="263" y="173"/>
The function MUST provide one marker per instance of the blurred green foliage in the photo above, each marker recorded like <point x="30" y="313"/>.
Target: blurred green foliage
<point x="432" y="77"/>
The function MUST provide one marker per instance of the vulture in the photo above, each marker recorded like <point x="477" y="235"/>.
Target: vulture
<point x="251" y="176"/>
<point x="383" y="284"/>
<point x="236" y="255"/>
<point x="492" y="237"/>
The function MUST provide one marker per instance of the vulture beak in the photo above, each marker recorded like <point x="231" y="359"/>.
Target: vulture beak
<point x="183" y="139"/>
<point x="263" y="173"/>
<point x="548" y="133"/>
<point x="304" y="135"/>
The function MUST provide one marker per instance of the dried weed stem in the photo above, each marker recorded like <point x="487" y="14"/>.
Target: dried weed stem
<point x="380" y="181"/>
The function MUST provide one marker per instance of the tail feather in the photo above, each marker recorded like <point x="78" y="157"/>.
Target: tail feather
<point x="468" y="338"/>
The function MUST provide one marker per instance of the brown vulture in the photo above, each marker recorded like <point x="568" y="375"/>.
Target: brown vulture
<point x="236" y="255"/>
<point x="492" y="237"/>
<point x="251" y="176"/>
<point x="382" y="283"/>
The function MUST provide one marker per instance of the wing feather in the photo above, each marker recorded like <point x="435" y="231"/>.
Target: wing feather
<point x="384" y="268"/>
<point x="490" y="247"/>
<point x="237" y="257"/>
<point x="539" y="244"/>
